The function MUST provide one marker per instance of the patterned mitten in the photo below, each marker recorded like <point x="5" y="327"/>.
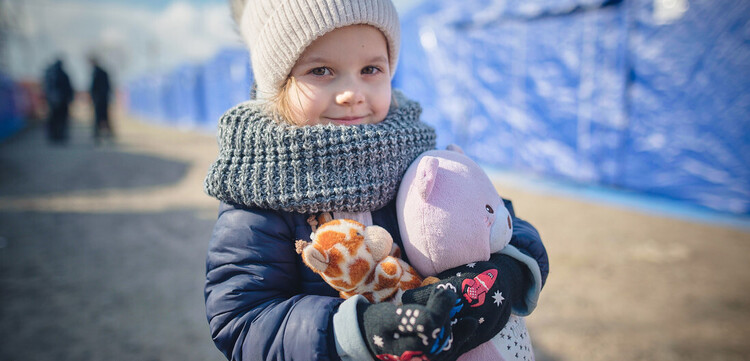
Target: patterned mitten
<point x="415" y="331"/>
<point x="486" y="292"/>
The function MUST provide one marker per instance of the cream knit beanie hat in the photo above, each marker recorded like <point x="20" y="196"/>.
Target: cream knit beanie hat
<point x="278" y="31"/>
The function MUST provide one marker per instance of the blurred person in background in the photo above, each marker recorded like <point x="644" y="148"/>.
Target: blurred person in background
<point x="100" y="95"/>
<point x="59" y="94"/>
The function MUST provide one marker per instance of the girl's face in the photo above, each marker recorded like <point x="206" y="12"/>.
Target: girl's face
<point x="343" y="77"/>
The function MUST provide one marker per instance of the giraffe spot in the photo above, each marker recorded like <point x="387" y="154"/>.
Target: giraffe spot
<point x="341" y="284"/>
<point x="385" y="283"/>
<point x="328" y="239"/>
<point x="414" y="282"/>
<point x="358" y="270"/>
<point x="334" y="259"/>
<point x="370" y="278"/>
<point x="390" y="268"/>
<point x="355" y="242"/>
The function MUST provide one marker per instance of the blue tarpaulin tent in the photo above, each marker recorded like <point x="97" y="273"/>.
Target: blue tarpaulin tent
<point x="227" y="82"/>
<point x="651" y="95"/>
<point x="11" y="117"/>
<point x="184" y="96"/>
<point x="193" y="95"/>
<point x="146" y="97"/>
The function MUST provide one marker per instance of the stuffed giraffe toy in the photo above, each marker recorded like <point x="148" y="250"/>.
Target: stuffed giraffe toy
<point x="355" y="259"/>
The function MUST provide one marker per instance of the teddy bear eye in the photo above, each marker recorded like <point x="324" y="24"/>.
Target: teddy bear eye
<point x="489" y="209"/>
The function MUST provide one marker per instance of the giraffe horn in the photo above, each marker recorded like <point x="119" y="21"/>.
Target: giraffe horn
<point x="300" y="245"/>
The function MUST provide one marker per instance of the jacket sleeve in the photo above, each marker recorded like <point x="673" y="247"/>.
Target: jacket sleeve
<point x="350" y="342"/>
<point x="526" y="246"/>
<point x="253" y="304"/>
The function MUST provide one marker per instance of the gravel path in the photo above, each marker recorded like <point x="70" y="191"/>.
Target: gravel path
<point x="102" y="249"/>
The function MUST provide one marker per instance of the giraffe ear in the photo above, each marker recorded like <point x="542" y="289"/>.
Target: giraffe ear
<point x="314" y="259"/>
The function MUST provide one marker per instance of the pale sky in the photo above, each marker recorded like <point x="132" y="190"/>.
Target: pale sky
<point x="132" y="36"/>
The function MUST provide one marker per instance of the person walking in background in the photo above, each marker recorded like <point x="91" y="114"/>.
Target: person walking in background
<point x="100" y="94"/>
<point x="59" y="94"/>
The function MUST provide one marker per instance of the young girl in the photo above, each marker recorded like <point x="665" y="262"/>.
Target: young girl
<point x="325" y="134"/>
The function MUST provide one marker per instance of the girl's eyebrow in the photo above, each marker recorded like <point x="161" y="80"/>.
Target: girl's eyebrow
<point x="313" y="59"/>
<point x="379" y="59"/>
<point x="320" y="59"/>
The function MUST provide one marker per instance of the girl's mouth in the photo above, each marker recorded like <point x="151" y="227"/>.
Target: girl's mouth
<point x="348" y="120"/>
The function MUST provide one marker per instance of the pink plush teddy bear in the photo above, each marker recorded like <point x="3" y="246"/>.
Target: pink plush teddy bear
<point x="451" y="215"/>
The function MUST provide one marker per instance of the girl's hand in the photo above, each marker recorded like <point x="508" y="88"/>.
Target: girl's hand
<point x="415" y="331"/>
<point x="486" y="293"/>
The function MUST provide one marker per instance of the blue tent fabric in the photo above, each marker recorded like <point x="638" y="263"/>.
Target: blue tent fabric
<point x="11" y="117"/>
<point x="228" y="79"/>
<point x="594" y="91"/>
<point x="184" y="95"/>
<point x="147" y="97"/>
<point x="527" y="89"/>
<point x="191" y="95"/>
<point x="689" y="108"/>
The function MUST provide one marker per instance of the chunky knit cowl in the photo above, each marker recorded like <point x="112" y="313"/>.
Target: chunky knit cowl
<point x="321" y="168"/>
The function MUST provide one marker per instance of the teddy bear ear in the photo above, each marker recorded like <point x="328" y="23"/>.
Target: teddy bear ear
<point x="426" y="173"/>
<point x="454" y="148"/>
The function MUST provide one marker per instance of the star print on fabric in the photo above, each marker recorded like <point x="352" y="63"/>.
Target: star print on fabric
<point x="498" y="298"/>
<point x="481" y="320"/>
<point x="471" y="265"/>
<point x="377" y="340"/>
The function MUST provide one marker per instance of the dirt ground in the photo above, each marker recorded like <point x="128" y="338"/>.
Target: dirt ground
<point x="102" y="257"/>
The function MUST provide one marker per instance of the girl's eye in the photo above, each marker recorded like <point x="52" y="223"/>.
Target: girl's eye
<point x="370" y="69"/>
<point x="489" y="209"/>
<point x="320" y="71"/>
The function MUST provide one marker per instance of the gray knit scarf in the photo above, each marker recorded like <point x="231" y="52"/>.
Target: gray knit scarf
<point x="322" y="168"/>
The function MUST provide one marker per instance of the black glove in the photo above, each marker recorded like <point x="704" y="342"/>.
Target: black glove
<point x="527" y="240"/>
<point x="487" y="290"/>
<point x="421" y="331"/>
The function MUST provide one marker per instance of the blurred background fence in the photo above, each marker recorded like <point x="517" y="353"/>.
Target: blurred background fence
<point x="645" y="95"/>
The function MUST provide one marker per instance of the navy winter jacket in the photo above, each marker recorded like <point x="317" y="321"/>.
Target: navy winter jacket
<point x="262" y="302"/>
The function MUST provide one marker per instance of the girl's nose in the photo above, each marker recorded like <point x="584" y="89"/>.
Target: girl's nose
<point x="350" y="97"/>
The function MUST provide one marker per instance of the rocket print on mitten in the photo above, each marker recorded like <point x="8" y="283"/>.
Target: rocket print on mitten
<point x="474" y="290"/>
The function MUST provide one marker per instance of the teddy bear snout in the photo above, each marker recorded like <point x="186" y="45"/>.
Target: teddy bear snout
<point x="501" y="231"/>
